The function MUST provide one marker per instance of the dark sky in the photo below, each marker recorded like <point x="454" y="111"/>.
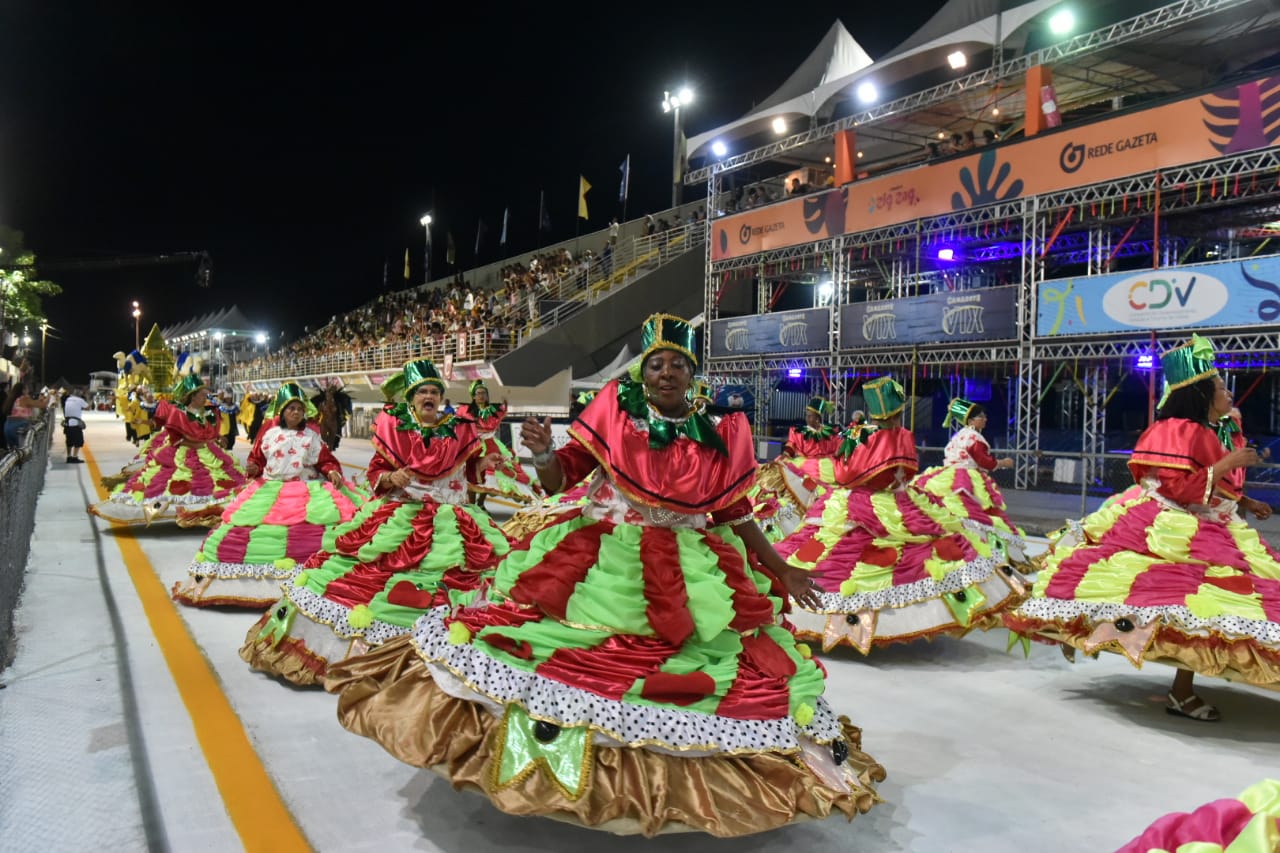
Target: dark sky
<point x="301" y="149"/>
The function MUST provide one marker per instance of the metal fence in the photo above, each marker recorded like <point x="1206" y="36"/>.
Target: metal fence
<point x="21" y="479"/>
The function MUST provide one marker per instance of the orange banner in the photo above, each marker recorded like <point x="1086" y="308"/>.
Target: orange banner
<point x="1226" y="122"/>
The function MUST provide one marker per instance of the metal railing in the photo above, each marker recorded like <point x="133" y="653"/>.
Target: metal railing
<point x="21" y="480"/>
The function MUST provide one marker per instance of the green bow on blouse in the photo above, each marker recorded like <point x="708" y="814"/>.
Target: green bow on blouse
<point x="853" y="438"/>
<point x="1227" y="427"/>
<point x="486" y="411"/>
<point x="824" y="431"/>
<point x="632" y="400"/>
<point x="408" y="423"/>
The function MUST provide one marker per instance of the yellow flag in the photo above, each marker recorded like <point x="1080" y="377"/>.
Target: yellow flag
<point x="406" y="264"/>
<point x="583" y="188"/>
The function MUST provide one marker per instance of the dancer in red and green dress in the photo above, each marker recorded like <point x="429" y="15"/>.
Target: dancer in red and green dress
<point x="627" y="669"/>
<point x="893" y="563"/>
<point x="964" y="480"/>
<point x="502" y="475"/>
<point x="415" y="545"/>
<point x="805" y="470"/>
<point x="185" y="473"/>
<point x="278" y="520"/>
<point x="1170" y="571"/>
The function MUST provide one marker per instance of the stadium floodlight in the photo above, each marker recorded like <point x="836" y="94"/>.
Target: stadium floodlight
<point x="1062" y="22"/>
<point x="867" y="93"/>
<point x="779" y="125"/>
<point x="719" y="149"/>
<point x="671" y="103"/>
<point x="957" y="60"/>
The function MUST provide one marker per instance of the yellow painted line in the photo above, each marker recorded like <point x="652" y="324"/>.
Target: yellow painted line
<point x="252" y="801"/>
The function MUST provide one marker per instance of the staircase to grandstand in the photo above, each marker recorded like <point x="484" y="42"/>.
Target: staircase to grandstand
<point x="580" y="317"/>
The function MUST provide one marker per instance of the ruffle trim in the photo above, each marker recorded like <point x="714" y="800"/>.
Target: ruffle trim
<point x="1174" y="616"/>
<point x="626" y="724"/>
<point x="971" y="573"/>
<point x="389" y="697"/>
<point x="322" y="611"/>
<point x="234" y="571"/>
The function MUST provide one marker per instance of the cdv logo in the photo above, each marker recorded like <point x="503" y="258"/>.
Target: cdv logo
<point x="1154" y="299"/>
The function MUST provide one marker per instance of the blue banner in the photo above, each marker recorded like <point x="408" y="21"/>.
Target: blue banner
<point x="983" y="314"/>
<point x="806" y="330"/>
<point x="1227" y="293"/>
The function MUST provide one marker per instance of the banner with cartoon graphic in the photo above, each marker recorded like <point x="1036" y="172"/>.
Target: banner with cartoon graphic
<point x="984" y="314"/>
<point x="1227" y="293"/>
<point x="1190" y="130"/>
<point x="806" y="330"/>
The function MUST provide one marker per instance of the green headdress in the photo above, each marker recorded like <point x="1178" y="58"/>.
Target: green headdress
<point x="414" y="374"/>
<point x="1187" y="365"/>
<point x="820" y="406"/>
<point x="289" y="392"/>
<point x="476" y="386"/>
<point x="189" y="384"/>
<point x="663" y="331"/>
<point x="884" y="397"/>
<point x="586" y="397"/>
<point x="958" y="412"/>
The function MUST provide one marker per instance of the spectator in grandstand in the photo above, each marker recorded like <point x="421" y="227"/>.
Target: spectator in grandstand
<point x="73" y="406"/>
<point x="988" y="136"/>
<point x="656" y="601"/>
<point x="874" y="545"/>
<point x="19" y="408"/>
<point x="1169" y="571"/>
<point x="412" y="547"/>
<point x="613" y="230"/>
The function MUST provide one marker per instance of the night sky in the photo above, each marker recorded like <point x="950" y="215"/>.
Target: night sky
<point x="300" y="150"/>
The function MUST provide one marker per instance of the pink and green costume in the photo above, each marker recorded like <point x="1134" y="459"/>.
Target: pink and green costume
<point x="184" y="471"/>
<point x="964" y="483"/>
<point x="787" y="486"/>
<point x="275" y="523"/>
<point x="1168" y="571"/>
<point x="626" y="670"/>
<point x="405" y="551"/>
<point x="892" y="562"/>
<point x="1249" y="823"/>
<point x="508" y="479"/>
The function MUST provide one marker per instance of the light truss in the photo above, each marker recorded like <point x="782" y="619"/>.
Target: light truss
<point x="1138" y="27"/>
<point x="1225" y="341"/>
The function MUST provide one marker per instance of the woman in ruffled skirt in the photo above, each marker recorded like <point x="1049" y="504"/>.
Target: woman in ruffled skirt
<point x="626" y="670"/>
<point x="892" y="562"/>
<point x="278" y="520"/>
<point x="416" y="545"/>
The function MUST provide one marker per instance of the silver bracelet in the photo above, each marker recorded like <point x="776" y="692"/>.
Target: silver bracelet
<point x="543" y="459"/>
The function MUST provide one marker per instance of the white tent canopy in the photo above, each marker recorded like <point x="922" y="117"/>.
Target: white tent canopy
<point x="612" y="370"/>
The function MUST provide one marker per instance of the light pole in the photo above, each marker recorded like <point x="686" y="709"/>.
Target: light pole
<point x="425" y="222"/>
<point x="672" y="104"/>
<point x="137" y="325"/>
<point x="44" y="335"/>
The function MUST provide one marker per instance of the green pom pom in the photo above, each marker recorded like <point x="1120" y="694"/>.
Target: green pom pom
<point x="849" y="588"/>
<point x="804" y="650"/>
<point x="361" y="616"/>
<point x="301" y="579"/>
<point x="203" y="558"/>
<point x="804" y="714"/>
<point x="459" y="634"/>
<point x="285" y="563"/>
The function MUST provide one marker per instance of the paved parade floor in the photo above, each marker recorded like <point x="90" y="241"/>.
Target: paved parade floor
<point x="129" y="722"/>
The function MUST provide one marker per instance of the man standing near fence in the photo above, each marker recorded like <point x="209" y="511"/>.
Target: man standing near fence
<point x="73" y="424"/>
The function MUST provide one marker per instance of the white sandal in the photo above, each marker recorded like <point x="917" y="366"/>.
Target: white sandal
<point x="1205" y="712"/>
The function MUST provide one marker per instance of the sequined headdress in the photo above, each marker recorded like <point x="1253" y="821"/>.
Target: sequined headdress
<point x="884" y="397"/>
<point x="1187" y="365"/>
<point x="289" y="392"/>
<point x="663" y="331"/>
<point x="414" y="374"/>
<point x="958" y="411"/>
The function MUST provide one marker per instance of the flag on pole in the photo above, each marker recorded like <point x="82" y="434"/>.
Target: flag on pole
<point x="544" y="216"/>
<point x="625" y="168"/>
<point x="506" y="212"/>
<point x="406" y="264"/>
<point x="450" y="253"/>
<point x="583" y="189"/>
<point x="481" y="230"/>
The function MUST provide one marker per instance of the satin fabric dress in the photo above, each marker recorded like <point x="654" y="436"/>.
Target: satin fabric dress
<point x="965" y="484"/>
<point x="1167" y="570"/>
<point x="509" y="479"/>
<point x="273" y="524"/>
<point x="787" y="486"/>
<point x="406" y="550"/>
<point x="185" y="474"/>
<point x="626" y="669"/>
<point x="1249" y="823"/>
<point x="893" y="563"/>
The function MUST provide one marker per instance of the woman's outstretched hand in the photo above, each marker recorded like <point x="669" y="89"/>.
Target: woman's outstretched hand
<point x="536" y="436"/>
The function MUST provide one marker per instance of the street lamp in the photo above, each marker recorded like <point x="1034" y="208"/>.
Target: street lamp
<point x="137" y="325"/>
<point x="425" y="222"/>
<point x="671" y="103"/>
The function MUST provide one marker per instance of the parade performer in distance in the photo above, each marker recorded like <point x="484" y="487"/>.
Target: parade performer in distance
<point x="186" y="476"/>
<point x="1170" y="571"/>
<point x="892" y="562"/>
<point x="964" y="480"/>
<point x="502" y="474"/>
<point x="413" y="546"/>
<point x="626" y="669"/>
<point x="805" y="469"/>
<point x="276" y="521"/>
